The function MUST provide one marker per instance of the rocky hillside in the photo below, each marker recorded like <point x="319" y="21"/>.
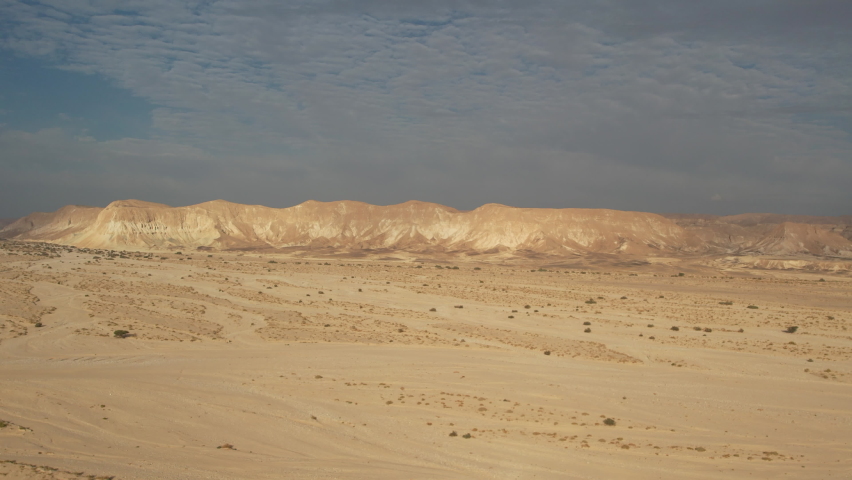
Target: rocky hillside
<point x="422" y="227"/>
<point x="6" y="221"/>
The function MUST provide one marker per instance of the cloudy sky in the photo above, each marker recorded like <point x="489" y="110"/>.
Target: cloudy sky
<point x="719" y="107"/>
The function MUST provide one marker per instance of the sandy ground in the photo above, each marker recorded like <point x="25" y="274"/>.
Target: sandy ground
<point x="334" y="367"/>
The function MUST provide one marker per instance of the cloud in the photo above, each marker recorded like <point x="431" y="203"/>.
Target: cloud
<point x="635" y="105"/>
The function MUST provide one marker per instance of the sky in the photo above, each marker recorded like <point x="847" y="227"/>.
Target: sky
<point x="719" y="107"/>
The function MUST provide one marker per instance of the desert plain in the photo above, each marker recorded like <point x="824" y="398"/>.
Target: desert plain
<point x="308" y="364"/>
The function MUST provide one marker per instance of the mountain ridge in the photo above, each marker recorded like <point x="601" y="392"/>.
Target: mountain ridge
<point x="417" y="226"/>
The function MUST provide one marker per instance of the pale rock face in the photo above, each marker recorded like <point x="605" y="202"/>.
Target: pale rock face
<point x="418" y="227"/>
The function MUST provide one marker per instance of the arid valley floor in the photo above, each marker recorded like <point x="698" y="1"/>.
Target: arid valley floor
<point x="269" y="365"/>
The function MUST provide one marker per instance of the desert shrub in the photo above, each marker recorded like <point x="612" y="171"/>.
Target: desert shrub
<point x="680" y="274"/>
<point x="587" y="323"/>
<point x="609" y="422"/>
<point x="708" y="329"/>
<point x="591" y="301"/>
<point x="527" y="306"/>
<point x="753" y="307"/>
<point x="821" y="279"/>
<point x="791" y="329"/>
<point x="624" y="298"/>
<point x="39" y="325"/>
<point x="466" y="435"/>
<point x="433" y="309"/>
<point x="650" y="325"/>
<point x="477" y="268"/>
<point x="454" y="434"/>
<point x="547" y="352"/>
<point x="727" y="302"/>
<point x="588" y="330"/>
<point x="697" y="329"/>
<point x="120" y="333"/>
<point x="676" y="329"/>
<point x="511" y="316"/>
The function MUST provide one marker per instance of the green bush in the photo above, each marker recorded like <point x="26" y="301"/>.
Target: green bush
<point x="791" y="329"/>
<point x="120" y="333"/>
<point x="609" y="422"/>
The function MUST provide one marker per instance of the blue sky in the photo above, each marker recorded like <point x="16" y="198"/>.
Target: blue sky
<point x="660" y="105"/>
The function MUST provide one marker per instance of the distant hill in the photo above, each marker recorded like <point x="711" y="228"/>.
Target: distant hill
<point x="6" y="221"/>
<point x="427" y="227"/>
